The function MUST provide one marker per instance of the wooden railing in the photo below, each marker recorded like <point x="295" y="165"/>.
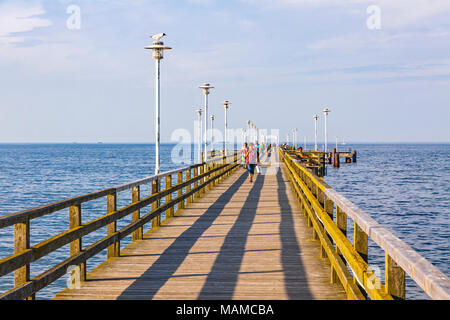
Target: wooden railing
<point x="191" y="183"/>
<point x="319" y="202"/>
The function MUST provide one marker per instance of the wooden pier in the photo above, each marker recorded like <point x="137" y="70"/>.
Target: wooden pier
<point x="240" y="241"/>
<point x="283" y="236"/>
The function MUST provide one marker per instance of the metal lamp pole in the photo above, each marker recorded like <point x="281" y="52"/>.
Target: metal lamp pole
<point x="212" y="132"/>
<point x="158" y="53"/>
<point x="199" y="112"/>
<point x="316" y="117"/>
<point x="326" y="112"/>
<point x="206" y="87"/>
<point x="226" y="105"/>
<point x="294" y="138"/>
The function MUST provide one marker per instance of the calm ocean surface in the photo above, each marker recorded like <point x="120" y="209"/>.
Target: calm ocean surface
<point x="405" y="187"/>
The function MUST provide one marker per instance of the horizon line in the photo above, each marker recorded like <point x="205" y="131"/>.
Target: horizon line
<point x="221" y="142"/>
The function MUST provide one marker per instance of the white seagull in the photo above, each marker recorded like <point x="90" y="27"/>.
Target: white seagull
<point x="158" y="36"/>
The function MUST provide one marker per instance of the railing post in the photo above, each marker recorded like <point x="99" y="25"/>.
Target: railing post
<point x="180" y="204"/>
<point x="136" y="215"/>
<point x="341" y="222"/>
<point x="394" y="279"/>
<point x="361" y="242"/>
<point x="21" y="243"/>
<point x="196" y="183"/>
<point x="206" y="188"/>
<point x="328" y="206"/>
<point x="169" y="212"/>
<point x="220" y="163"/>
<point x="212" y="175"/>
<point x="315" y="235"/>
<point x="156" y="221"/>
<point x="310" y="224"/>
<point x="76" y="245"/>
<point x="225" y="162"/>
<point x="202" y="170"/>
<point x="111" y="206"/>
<point x="217" y="173"/>
<point x="188" y="187"/>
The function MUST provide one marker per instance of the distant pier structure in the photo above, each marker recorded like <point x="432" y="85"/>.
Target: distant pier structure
<point x="317" y="160"/>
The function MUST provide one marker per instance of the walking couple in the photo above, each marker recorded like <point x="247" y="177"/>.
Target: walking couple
<point x="250" y="158"/>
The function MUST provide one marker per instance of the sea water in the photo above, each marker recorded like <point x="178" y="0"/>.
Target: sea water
<point x="405" y="187"/>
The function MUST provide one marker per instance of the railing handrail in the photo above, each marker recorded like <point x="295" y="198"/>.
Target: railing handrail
<point x="433" y="281"/>
<point x="36" y="212"/>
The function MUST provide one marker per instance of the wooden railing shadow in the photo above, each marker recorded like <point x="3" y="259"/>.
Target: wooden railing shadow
<point x="295" y="276"/>
<point x="229" y="259"/>
<point x="167" y="264"/>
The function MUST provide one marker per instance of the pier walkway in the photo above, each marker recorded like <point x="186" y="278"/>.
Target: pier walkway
<point x="215" y="235"/>
<point x="241" y="240"/>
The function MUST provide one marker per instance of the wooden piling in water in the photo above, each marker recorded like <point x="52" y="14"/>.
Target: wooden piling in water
<point x="335" y="156"/>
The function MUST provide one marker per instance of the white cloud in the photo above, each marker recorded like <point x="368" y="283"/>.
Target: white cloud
<point x="20" y="16"/>
<point x="396" y="13"/>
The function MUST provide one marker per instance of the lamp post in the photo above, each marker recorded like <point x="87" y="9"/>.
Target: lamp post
<point x="206" y="87"/>
<point x="294" y="137"/>
<point x="199" y="112"/>
<point x="212" y="132"/>
<point x="326" y="112"/>
<point x="226" y="105"/>
<point x="249" y="131"/>
<point x="158" y="48"/>
<point x="316" y="117"/>
<point x="243" y="136"/>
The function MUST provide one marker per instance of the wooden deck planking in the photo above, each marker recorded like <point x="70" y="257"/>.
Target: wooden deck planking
<point x="241" y="240"/>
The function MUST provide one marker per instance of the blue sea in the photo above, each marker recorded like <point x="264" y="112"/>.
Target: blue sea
<point x="403" y="186"/>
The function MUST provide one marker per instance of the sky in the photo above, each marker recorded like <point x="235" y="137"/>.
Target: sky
<point x="383" y="71"/>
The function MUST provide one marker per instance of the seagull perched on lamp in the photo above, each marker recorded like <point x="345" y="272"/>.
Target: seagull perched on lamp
<point x="158" y="36"/>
